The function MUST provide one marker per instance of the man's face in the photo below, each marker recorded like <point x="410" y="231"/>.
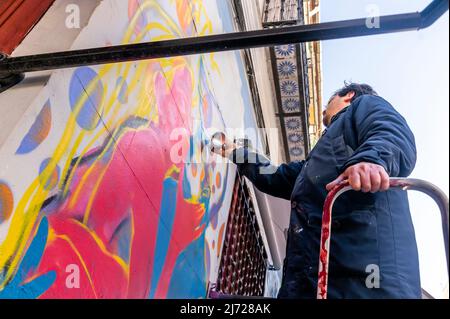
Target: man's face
<point x="336" y="104"/>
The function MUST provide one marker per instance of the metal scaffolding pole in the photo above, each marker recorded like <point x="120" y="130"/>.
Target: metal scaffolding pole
<point x="13" y="68"/>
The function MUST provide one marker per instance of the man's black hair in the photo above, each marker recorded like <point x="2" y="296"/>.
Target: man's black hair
<point x="359" y="89"/>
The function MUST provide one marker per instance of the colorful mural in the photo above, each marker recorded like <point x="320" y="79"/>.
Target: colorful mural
<point x="92" y="204"/>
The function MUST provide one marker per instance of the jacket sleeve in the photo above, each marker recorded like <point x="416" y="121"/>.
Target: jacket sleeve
<point x="274" y="180"/>
<point x="383" y="137"/>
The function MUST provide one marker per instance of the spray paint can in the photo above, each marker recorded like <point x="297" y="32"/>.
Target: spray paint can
<point x="218" y="142"/>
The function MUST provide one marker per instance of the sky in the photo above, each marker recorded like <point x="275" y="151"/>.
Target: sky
<point x="411" y="71"/>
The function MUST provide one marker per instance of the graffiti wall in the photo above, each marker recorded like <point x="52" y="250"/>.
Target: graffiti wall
<point x="103" y="193"/>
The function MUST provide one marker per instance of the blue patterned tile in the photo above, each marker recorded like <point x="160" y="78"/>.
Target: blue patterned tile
<point x="291" y="105"/>
<point x="286" y="68"/>
<point x="295" y="138"/>
<point x="289" y="87"/>
<point x="296" y="151"/>
<point x="285" y="50"/>
<point x="293" y="123"/>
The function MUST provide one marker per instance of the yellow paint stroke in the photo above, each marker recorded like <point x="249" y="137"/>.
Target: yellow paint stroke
<point x="136" y="78"/>
<point x="93" y="165"/>
<point x="71" y="155"/>
<point x="23" y="221"/>
<point x="173" y="170"/>
<point x="103" y="248"/>
<point x="151" y="4"/>
<point x="93" y="194"/>
<point x="72" y="152"/>
<point x="88" y="172"/>
<point x="29" y="206"/>
<point x="112" y="103"/>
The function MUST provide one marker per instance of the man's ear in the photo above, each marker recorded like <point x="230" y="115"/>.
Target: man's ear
<point x="349" y="96"/>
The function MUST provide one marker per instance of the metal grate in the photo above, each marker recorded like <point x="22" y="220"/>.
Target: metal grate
<point x="242" y="269"/>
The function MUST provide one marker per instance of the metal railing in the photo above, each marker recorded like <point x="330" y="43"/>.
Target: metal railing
<point x="403" y="183"/>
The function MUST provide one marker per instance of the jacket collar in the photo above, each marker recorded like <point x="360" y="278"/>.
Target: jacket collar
<point x="335" y="116"/>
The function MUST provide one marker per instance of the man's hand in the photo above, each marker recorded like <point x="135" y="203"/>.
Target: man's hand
<point x="367" y="177"/>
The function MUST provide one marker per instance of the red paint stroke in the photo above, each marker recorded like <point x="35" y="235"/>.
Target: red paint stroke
<point x="130" y="182"/>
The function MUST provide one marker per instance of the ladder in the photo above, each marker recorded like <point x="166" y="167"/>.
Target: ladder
<point x="402" y="183"/>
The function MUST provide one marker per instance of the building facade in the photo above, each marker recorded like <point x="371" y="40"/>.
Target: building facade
<point x="107" y="188"/>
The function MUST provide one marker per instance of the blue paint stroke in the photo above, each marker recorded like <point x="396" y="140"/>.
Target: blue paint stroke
<point x="16" y="288"/>
<point x="189" y="275"/>
<point x="88" y="116"/>
<point x="166" y="220"/>
<point x="52" y="181"/>
<point x="38" y="131"/>
<point x="122" y="238"/>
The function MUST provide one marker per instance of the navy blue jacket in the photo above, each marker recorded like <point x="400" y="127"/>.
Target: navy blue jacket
<point x="371" y="232"/>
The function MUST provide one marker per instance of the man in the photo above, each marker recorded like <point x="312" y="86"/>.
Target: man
<point x="373" y="251"/>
